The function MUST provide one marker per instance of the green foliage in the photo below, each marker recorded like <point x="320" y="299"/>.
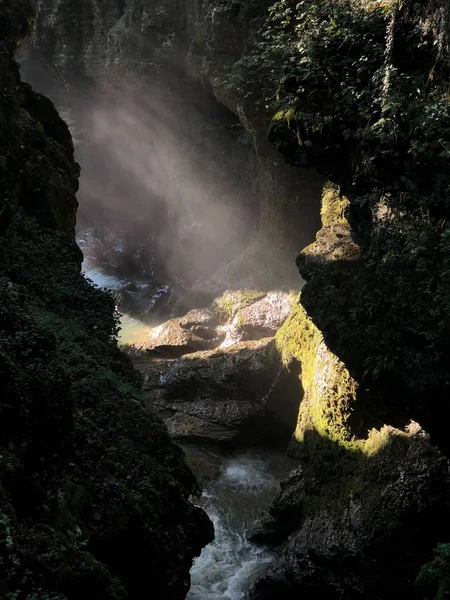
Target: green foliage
<point x="231" y="302"/>
<point x="433" y="581"/>
<point x="69" y="397"/>
<point x="360" y="92"/>
<point x="324" y="66"/>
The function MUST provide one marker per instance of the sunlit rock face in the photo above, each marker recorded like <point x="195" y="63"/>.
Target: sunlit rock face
<point x="214" y="375"/>
<point x="362" y="511"/>
<point x="94" y="496"/>
<point x="342" y="534"/>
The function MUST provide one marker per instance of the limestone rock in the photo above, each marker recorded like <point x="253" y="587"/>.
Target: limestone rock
<point x="171" y="340"/>
<point x="240" y="315"/>
<point x="235" y="395"/>
<point x="265" y="316"/>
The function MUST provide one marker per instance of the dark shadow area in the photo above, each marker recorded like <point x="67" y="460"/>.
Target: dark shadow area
<point x="382" y="321"/>
<point x="228" y="399"/>
<point x="360" y="525"/>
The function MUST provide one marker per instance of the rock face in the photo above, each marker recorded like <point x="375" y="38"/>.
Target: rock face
<point x="231" y="395"/>
<point x="361" y="513"/>
<point x="363" y="98"/>
<point x="374" y="349"/>
<point x="343" y="541"/>
<point x="235" y="316"/>
<point x="221" y="380"/>
<point x="94" y="497"/>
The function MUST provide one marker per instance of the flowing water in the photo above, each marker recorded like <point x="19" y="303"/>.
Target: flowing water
<point x="131" y="328"/>
<point x="246" y="486"/>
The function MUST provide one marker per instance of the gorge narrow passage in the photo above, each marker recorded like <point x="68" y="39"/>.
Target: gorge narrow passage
<point x="238" y="488"/>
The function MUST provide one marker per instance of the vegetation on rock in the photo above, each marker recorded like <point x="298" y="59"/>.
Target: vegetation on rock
<point x="355" y="494"/>
<point x="359" y="91"/>
<point x="94" y="497"/>
<point x="433" y="582"/>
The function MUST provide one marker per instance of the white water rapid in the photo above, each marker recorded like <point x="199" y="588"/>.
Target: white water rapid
<point x="226" y="568"/>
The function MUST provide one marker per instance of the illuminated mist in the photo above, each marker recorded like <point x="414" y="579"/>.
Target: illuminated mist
<point x="170" y="190"/>
<point x="166" y="183"/>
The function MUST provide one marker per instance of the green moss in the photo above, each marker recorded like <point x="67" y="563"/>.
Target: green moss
<point x="329" y="390"/>
<point x="433" y="581"/>
<point x="284" y="115"/>
<point x="232" y="301"/>
<point x="334" y="206"/>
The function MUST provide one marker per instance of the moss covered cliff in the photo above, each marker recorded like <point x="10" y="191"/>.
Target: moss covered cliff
<point x="359" y="90"/>
<point x="368" y="502"/>
<point x="94" y="497"/>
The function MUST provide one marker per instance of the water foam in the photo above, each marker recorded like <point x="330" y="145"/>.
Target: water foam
<point x="102" y="280"/>
<point x="225" y="568"/>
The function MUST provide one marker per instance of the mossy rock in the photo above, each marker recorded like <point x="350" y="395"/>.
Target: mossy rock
<point x="231" y="302"/>
<point x="81" y="514"/>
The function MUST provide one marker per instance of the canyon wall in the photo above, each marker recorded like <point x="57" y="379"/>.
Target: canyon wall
<point x="94" y="495"/>
<point x="228" y="189"/>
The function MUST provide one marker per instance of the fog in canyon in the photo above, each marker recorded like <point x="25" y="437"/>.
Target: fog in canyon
<point x="170" y="190"/>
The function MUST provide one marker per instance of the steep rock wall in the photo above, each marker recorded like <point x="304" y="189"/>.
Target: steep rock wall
<point x="94" y="497"/>
<point x="358" y="91"/>
<point x="366" y="505"/>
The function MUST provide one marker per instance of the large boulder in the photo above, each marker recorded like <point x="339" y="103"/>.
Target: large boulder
<point x="171" y="340"/>
<point x="236" y="395"/>
<point x="233" y="317"/>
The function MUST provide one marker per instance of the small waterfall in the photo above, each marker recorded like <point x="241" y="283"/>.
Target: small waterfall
<point x="245" y="488"/>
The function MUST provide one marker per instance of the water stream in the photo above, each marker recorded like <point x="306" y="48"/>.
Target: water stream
<point x="131" y="328"/>
<point x="246" y="486"/>
<point x="234" y="500"/>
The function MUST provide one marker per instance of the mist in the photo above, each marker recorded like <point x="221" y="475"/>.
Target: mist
<point x="170" y="188"/>
<point x="166" y="180"/>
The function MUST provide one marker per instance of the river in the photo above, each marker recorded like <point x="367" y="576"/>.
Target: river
<point x="246" y="486"/>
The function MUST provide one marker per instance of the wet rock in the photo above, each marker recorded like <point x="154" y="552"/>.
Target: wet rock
<point x="202" y="322"/>
<point x="171" y="340"/>
<point x="265" y="316"/>
<point x="205" y="463"/>
<point x="236" y="316"/>
<point x="285" y="515"/>
<point x="195" y="331"/>
<point x="236" y="395"/>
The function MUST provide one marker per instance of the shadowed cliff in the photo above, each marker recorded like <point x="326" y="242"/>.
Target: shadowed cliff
<point x="94" y="497"/>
